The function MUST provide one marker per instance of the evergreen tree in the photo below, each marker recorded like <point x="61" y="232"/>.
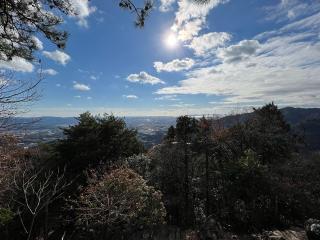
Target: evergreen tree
<point x="96" y="142"/>
<point x="269" y="135"/>
<point x="186" y="129"/>
<point x="171" y="134"/>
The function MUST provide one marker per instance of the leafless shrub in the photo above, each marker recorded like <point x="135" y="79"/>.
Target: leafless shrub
<point x="16" y="96"/>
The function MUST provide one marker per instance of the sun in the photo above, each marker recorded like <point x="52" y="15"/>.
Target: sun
<point x="171" y="40"/>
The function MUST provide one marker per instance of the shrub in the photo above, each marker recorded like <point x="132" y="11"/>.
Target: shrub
<point x="119" y="203"/>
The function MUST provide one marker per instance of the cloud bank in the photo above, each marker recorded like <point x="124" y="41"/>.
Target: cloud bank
<point x="281" y="65"/>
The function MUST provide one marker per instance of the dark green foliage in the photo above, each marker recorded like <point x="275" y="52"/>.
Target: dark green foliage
<point x="22" y="19"/>
<point x="298" y="188"/>
<point x="171" y="134"/>
<point x="168" y="175"/>
<point x="91" y="146"/>
<point x="96" y="142"/>
<point x="269" y="135"/>
<point x="6" y="216"/>
<point x="235" y="174"/>
<point x="266" y="133"/>
<point x="245" y="193"/>
<point x="185" y="129"/>
<point x="142" y="13"/>
<point x="247" y="178"/>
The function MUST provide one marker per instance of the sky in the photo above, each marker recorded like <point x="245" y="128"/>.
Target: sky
<point x="225" y="56"/>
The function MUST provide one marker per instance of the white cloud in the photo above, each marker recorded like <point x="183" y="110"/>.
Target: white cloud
<point x="49" y="71"/>
<point x="93" y="77"/>
<point x="17" y="64"/>
<point x="89" y="98"/>
<point x="307" y="24"/>
<point x="130" y="96"/>
<point x="175" y="65"/>
<point x="58" y="56"/>
<point x="291" y="10"/>
<point x="78" y="96"/>
<point x="144" y="78"/>
<point x="204" y="44"/>
<point x="189" y="30"/>
<point x="190" y="17"/>
<point x="82" y="11"/>
<point x="182" y="105"/>
<point x="166" y="5"/>
<point x="37" y="43"/>
<point x="81" y="87"/>
<point x="58" y="85"/>
<point x="167" y="98"/>
<point x="238" y="52"/>
<point x="283" y="67"/>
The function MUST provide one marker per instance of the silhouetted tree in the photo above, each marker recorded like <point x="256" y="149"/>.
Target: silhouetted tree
<point x="96" y="142"/>
<point x="186" y="128"/>
<point x="204" y="145"/>
<point x="167" y="174"/>
<point x="269" y="135"/>
<point x="171" y="134"/>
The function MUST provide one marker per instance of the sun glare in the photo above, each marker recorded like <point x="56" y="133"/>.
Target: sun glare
<point x="171" y="40"/>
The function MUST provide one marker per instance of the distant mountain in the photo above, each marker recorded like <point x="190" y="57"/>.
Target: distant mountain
<point x="44" y="122"/>
<point x="303" y="121"/>
<point x="293" y="116"/>
<point x="296" y="116"/>
<point x="151" y="130"/>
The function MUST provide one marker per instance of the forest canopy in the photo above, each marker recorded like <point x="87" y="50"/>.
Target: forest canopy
<point x="244" y="178"/>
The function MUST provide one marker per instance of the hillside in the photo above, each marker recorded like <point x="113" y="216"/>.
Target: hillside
<point x="304" y="121"/>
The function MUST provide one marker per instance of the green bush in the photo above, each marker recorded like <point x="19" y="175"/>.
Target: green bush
<point x="6" y="216"/>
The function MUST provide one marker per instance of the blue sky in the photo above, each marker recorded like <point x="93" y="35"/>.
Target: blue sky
<point x="214" y="59"/>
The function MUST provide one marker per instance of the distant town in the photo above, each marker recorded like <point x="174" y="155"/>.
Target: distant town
<point x="33" y="131"/>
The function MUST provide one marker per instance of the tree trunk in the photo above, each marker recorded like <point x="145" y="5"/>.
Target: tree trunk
<point x="186" y="184"/>
<point x="207" y="183"/>
<point x="31" y="227"/>
<point x="276" y="209"/>
<point x="46" y="230"/>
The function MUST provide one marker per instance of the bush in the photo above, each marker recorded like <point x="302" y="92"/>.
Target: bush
<point x="6" y="216"/>
<point x="118" y="204"/>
